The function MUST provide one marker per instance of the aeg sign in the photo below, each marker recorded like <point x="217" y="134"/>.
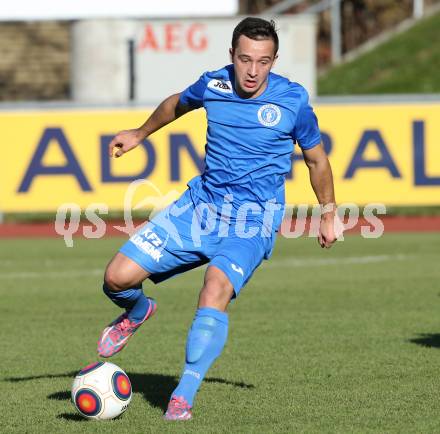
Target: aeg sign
<point x="150" y="60"/>
<point x="175" y="37"/>
<point x="172" y="54"/>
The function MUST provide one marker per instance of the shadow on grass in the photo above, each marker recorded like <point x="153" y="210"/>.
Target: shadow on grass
<point x="75" y="417"/>
<point x="38" y="377"/>
<point x="155" y="388"/>
<point x="430" y="340"/>
<point x="60" y="396"/>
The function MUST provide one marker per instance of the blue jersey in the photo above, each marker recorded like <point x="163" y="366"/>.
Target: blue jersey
<point x="249" y="141"/>
<point x="248" y="155"/>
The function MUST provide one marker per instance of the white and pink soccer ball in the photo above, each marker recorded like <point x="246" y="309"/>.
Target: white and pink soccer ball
<point x="101" y="390"/>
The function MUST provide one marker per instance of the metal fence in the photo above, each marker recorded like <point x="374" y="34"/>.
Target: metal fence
<point x="335" y="7"/>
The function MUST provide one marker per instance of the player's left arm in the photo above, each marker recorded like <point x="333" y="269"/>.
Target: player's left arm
<point x="321" y="178"/>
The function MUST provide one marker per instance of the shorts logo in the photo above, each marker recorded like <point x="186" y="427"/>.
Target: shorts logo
<point x="149" y="243"/>
<point x="237" y="269"/>
<point x="220" y="85"/>
<point x="269" y="115"/>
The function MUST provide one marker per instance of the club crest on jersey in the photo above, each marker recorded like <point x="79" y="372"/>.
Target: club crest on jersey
<point x="220" y="85"/>
<point x="269" y="115"/>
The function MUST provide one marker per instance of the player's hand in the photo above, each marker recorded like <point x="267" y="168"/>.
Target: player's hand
<point x="125" y="141"/>
<point x="330" y="229"/>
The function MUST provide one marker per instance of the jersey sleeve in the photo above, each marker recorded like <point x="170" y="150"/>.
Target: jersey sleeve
<point x="306" y="132"/>
<point x="192" y="96"/>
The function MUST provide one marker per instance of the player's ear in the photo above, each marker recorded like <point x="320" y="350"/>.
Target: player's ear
<point x="231" y="54"/>
<point x="275" y="60"/>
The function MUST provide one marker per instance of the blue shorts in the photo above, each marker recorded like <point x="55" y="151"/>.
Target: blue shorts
<point x="182" y="237"/>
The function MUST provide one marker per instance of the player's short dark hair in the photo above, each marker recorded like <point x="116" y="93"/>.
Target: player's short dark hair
<point x="257" y="29"/>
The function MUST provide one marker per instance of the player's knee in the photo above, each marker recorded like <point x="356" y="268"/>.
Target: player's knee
<point x="112" y="280"/>
<point x="215" y="293"/>
<point x="122" y="273"/>
<point x="118" y="279"/>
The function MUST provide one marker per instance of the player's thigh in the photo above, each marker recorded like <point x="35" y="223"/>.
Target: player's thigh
<point x="238" y="258"/>
<point x="122" y="272"/>
<point x="164" y="246"/>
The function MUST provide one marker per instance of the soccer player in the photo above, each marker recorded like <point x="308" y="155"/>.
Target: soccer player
<point x="228" y="217"/>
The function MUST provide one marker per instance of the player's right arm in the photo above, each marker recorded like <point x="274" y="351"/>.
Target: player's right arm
<point x="168" y="110"/>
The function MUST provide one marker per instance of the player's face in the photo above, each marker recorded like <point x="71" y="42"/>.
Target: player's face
<point x="252" y="63"/>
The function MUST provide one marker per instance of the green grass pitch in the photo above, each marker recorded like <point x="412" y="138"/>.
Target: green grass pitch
<point x="393" y="67"/>
<point x="339" y="341"/>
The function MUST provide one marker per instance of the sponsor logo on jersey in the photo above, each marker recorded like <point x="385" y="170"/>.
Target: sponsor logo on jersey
<point x="269" y="115"/>
<point x="220" y="85"/>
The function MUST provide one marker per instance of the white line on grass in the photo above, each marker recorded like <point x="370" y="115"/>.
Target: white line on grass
<point x="316" y="262"/>
<point x="274" y="263"/>
<point x="52" y="274"/>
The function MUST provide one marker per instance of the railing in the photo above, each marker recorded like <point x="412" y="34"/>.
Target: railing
<point x="336" y="29"/>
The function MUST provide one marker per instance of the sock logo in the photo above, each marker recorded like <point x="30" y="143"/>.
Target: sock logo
<point x="237" y="269"/>
<point x="193" y="373"/>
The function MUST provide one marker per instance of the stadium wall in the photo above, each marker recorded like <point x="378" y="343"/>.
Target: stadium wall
<point x="143" y="60"/>
<point x="35" y="60"/>
<point x="386" y="153"/>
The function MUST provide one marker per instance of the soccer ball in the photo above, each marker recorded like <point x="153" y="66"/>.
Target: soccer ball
<point x="101" y="390"/>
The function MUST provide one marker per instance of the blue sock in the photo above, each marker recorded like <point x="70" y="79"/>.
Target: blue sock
<point x="205" y="342"/>
<point x="132" y="300"/>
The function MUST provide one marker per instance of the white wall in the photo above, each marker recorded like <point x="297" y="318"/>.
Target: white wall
<point x="171" y="54"/>
<point x="100" y="72"/>
<point x="89" y="9"/>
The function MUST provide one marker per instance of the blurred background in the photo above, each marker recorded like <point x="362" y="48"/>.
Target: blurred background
<point x="71" y="76"/>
